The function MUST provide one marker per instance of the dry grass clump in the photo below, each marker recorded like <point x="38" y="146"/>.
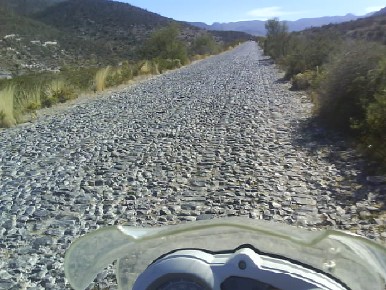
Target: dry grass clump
<point x="101" y="77"/>
<point x="149" y="67"/>
<point x="27" y="102"/>
<point x="7" y="96"/>
<point x="57" y="91"/>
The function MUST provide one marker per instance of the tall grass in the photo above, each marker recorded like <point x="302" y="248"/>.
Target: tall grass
<point x="100" y="78"/>
<point x="149" y="67"/>
<point x="55" y="86"/>
<point x="7" y="96"/>
<point x="57" y="91"/>
<point x="27" y="102"/>
<point x="116" y="77"/>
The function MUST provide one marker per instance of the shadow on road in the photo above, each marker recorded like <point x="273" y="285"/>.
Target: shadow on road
<point x="353" y="171"/>
<point x="266" y="61"/>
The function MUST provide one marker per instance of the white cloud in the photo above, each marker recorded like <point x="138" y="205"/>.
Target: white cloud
<point x="373" y="9"/>
<point x="268" y="13"/>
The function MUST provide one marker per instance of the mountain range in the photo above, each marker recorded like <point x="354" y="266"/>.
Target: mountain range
<point x="257" y="27"/>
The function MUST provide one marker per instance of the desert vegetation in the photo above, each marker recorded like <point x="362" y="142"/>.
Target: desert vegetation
<point x="164" y="50"/>
<point x="345" y="77"/>
<point x="165" y="44"/>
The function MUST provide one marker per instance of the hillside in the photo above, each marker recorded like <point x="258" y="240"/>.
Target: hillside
<point x="372" y="28"/>
<point x="72" y="14"/>
<point x="50" y="34"/>
<point x="115" y="28"/>
<point x="23" y="44"/>
<point x="24" y="7"/>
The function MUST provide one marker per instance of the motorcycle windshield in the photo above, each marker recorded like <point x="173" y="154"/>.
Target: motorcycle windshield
<point x="355" y="261"/>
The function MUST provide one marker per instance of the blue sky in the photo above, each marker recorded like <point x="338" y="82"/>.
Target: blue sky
<point x="210" y="11"/>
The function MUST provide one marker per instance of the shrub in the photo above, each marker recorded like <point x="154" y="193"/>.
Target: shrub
<point x="303" y="81"/>
<point x="7" y="96"/>
<point x="375" y="135"/>
<point x="81" y="78"/>
<point x="374" y="101"/>
<point x="205" y="44"/>
<point x="120" y="74"/>
<point x="344" y="90"/>
<point x="373" y="127"/>
<point x="376" y="116"/>
<point x="167" y="64"/>
<point x="114" y="77"/>
<point x="309" y="52"/>
<point x="127" y="71"/>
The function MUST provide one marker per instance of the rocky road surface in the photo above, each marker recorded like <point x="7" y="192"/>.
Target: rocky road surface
<point x="221" y="137"/>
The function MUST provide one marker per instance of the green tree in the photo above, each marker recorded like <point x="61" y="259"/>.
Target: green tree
<point x="166" y="44"/>
<point x="276" y="42"/>
<point x="205" y="44"/>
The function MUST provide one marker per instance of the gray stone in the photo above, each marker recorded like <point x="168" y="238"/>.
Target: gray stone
<point x="364" y="214"/>
<point x="4" y="275"/>
<point x="42" y="242"/>
<point x="275" y="205"/>
<point x="205" y="217"/>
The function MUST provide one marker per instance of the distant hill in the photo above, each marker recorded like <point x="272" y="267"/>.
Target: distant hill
<point x="257" y="27"/>
<point x="380" y="12"/>
<point x="305" y="23"/>
<point x="40" y="35"/>
<point x="371" y="28"/>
